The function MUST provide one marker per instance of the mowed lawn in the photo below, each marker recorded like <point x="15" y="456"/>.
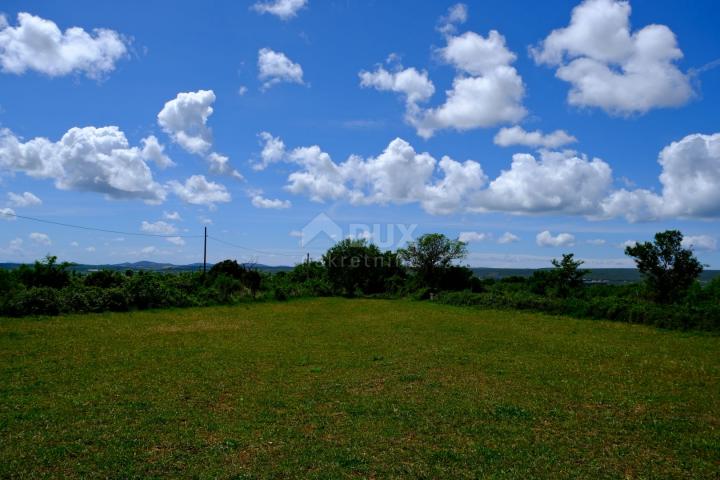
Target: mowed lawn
<point x="333" y="388"/>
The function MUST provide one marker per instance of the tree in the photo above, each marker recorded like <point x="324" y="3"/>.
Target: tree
<point x="568" y="275"/>
<point x="668" y="268"/>
<point x="45" y="273"/>
<point x="231" y="268"/>
<point x="354" y="265"/>
<point x="430" y="254"/>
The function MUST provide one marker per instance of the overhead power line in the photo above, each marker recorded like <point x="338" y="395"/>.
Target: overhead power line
<point x="154" y="235"/>
<point x="93" y="229"/>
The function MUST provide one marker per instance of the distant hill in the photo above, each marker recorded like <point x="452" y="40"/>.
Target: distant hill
<point x="604" y="275"/>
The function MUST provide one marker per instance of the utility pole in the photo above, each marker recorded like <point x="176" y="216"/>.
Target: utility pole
<point x="307" y="267"/>
<point x="205" y="253"/>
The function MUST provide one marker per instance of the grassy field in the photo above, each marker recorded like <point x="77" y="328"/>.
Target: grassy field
<point x="330" y="388"/>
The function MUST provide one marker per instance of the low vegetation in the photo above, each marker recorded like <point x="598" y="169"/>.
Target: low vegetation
<point x="669" y="297"/>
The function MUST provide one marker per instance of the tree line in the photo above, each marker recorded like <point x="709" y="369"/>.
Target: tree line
<point x="426" y="269"/>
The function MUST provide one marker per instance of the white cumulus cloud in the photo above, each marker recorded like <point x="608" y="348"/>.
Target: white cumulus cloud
<point x="273" y="150"/>
<point x="559" y="182"/>
<point x="40" y="238"/>
<point x="517" y="135"/>
<point x="275" y="67"/>
<point x="690" y="181"/>
<point x="611" y="67"/>
<point x="258" y="201"/>
<point x="546" y="239"/>
<point x="508" y="237"/>
<point x="197" y="190"/>
<point x="155" y="152"/>
<point x="472" y="237"/>
<point x="456" y="14"/>
<point x="179" y="241"/>
<point x="700" y="242"/>
<point x="25" y="199"/>
<point x="283" y="9"/>
<point x="413" y="84"/>
<point x="159" y="227"/>
<point x="184" y="119"/>
<point x="7" y="214"/>
<point x="38" y="44"/>
<point x="86" y="159"/>
<point x="487" y="90"/>
<point x="172" y="216"/>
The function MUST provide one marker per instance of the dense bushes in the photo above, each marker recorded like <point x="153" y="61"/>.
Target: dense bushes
<point x="48" y="288"/>
<point x="425" y="270"/>
<point x="606" y="302"/>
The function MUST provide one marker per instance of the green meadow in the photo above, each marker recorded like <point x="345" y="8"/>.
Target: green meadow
<point x="342" y="388"/>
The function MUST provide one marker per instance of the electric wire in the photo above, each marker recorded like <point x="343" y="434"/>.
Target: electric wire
<point x="81" y="227"/>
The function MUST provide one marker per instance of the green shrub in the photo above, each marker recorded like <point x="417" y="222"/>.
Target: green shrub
<point x="34" y="301"/>
<point x="104" y="279"/>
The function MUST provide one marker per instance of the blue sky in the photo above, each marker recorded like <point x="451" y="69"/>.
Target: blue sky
<point x="397" y="86"/>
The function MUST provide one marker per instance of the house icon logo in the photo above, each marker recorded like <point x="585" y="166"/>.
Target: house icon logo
<point x="318" y="226"/>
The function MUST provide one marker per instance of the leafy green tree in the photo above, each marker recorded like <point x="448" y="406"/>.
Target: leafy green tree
<point x="231" y="268"/>
<point x="668" y="268"/>
<point x="45" y="273"/>
<point x="354" y="265"/>
<point x="431" y="254"/>
<point x="568" y="274"/>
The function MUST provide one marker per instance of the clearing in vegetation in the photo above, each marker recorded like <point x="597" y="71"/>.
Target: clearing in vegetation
<point x="331" y="387"/>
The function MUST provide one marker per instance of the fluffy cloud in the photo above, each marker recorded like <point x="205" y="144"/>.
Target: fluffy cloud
<point x="275" y="67"/>
<point x="486" y="91"/>
<point x="451" y="191"/>
<point x="471" y="237"/>
<point x="508" y="237"/>
<point x="557" y="183"/>
<point x="546" y="239"/>
<point x="14" y="247"/>
<point x="321" y="179"/>
<point x="25" y="199"/>
<point x="273" y="151"/>
<point x="184" y="119"/>
<point x="158" y="228"/>
<point x="611" y="67"/>
<point x="548" y="183"/>
<point x="172" y="216"/>
<point x="283" y="9"/>
<point x="38" y="44"/>
<point x="40" y="238"/>
<point x="700" y="242"/>
<point x="398" y="175"/>
<point x="197" y="190"/>
<point x="155" y="152"/>
<point x="414" y="85"/>
<point x="258" y="201"/>
<point x="456" y="14"/>
<point x="85" y="159"/>
<point x="690" y="181"/>
<point x="7" y="214"/>
<point x="176" y="241"/>
<point x="220" y="164"/>
<point x="518" y="136"/>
